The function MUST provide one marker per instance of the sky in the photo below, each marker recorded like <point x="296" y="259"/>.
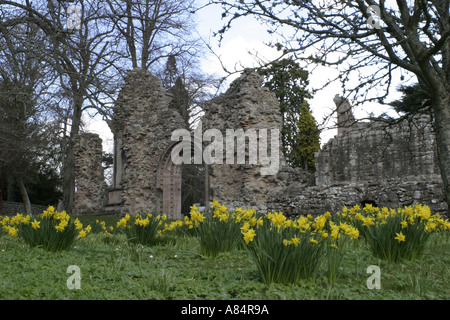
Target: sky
<point x="248" y="36"/>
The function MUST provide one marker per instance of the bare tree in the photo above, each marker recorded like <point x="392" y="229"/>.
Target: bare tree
<point x="82" y="55"/>
<point x="160" y="36"/>
<point x="372" y="41"/>
<point x="22" y="76"/>
<point x="151" y="31"/>
<point x="90" y="45"/>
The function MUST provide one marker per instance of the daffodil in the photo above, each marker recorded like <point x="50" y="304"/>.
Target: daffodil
<point x="320" y="222"/>
<point x="122" y="223"/>
<point x="249" y="235"/>
<point x="12" y="232"/>
<point x="425" y="212"/>
<point x="295" y="241"/>
<point x="408" y="211"/>
<point x="35" y="224"/>
<point x="215" y="204"/>
<point x="245" y="227"/>
<point x="335" y="233"/>
<point x="368" y="221"/>
<point x="278" y="219"/>
<point x="260" y="222"/>
<point x="400" y="237"/>
<point x="62" y="225"/>
<point x="354" y="233"/>
<point x="78" y="224"/>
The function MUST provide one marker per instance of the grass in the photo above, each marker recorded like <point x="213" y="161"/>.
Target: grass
<point x="113" y="268"/>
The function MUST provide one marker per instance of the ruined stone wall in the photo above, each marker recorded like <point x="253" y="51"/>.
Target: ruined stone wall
<point x="345" y="118"/>
<point x="375" y="151"/>
<point x="90" y="196"/>
<point x="143" y="124"/>
<point x="10" y="208"/>
<point x="394" y="166"/>
<point x="248" y="105"/>
<point x="391" y="193"/>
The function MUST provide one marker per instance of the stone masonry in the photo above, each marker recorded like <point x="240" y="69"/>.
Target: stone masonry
<point x="392" y="166"/>
<point x="142" y="124"/>
<point x="248" y="105"/>
<point x="90" y="196"/>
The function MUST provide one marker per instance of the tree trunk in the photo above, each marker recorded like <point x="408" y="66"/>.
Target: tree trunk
<point x="69" y="179"/>
<point x="441" y="110"/>
<point x="69" y="161"/>
<point x="24" y="194"/>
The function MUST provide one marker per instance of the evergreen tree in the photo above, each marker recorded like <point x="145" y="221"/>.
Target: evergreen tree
<point x="416" y="99"/>
<point x="171" y="73"/>
<point x="181" y="100"/>
<point x="288" y="81"/>
<point x="307" y="139"/>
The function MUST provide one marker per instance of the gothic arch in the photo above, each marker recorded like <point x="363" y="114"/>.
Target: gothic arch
<point x="168" y="182"/>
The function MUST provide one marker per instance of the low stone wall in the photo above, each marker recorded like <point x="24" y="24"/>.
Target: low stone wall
<point x="12" y="208"/>
<point x="391" y="193"/>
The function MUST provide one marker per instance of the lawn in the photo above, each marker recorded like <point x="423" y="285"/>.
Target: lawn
<point x="113" y="268"/>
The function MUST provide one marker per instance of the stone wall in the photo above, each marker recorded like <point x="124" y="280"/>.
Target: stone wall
<point x="12" y="208"/>
<point x="392" y="166"/>
<point x="375" y="151"/>
<point x="247" y="105"/>
<point x="90" y="196"/>
<point x="143" y="124"/>
<point x="391" y="193"/>
<point x="345" y="118"/>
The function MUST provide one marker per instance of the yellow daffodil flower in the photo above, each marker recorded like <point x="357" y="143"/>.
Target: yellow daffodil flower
<point x="400" y="237"/>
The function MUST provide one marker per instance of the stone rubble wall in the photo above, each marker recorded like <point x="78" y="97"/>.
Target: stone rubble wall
<point x="10" y="208"/>
<point x="90" y="196"/>
<point x="375" y="151"/>
<point x="247" y="105"/>
<point x="144" y="122"/>
<point x="393" y="166"/>
<point x="391" y="193"/>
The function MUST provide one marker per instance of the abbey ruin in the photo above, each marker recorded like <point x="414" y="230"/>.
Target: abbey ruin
<point x="367" y="161"/>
